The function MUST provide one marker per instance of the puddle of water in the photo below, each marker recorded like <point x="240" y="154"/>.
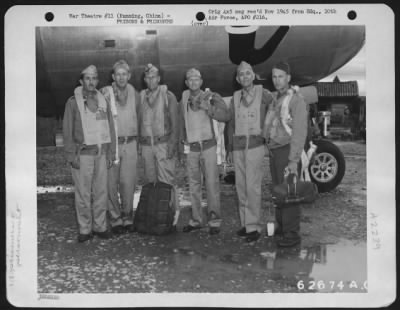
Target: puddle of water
<point x="55" y="189"/>
<point x="340" y="267"/>
<point x="183" y="194"/>
<point x="70" y="189"/>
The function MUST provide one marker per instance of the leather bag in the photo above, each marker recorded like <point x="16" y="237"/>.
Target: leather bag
<point x="292" y="191"/>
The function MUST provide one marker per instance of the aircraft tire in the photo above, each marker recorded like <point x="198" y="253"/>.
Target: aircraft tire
<point x="327" y="166"/>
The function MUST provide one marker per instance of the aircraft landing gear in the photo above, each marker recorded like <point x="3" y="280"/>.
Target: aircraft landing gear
<point x="327" y="166"/>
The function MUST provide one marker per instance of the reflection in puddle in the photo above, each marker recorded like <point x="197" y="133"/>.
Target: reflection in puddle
<point x="339" y="267"/>
<point x="342" y="262"/>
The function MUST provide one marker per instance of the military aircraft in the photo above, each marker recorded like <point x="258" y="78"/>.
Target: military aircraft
<point x="313" y="52"/>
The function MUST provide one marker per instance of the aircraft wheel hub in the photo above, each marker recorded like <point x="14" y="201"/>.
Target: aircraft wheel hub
<point x="324" y="167"/>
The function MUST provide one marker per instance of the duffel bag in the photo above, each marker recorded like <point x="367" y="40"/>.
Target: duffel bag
<point x="293" y="191"/>
<point x="155" y="211"/>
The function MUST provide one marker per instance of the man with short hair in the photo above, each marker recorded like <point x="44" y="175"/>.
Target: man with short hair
<point x="285" y="131"/>
<point x="198" y="109"/>
<point x="89" y="142"/>
<point x="246" y="148"/>
<point x="159" y="130"/>
<point x="125" y="102"/>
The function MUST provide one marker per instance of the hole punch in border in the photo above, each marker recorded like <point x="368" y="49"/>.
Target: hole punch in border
<point x="49" y="16"/>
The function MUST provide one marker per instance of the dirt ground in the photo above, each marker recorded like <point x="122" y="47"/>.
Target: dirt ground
<point x="333" y="231"/>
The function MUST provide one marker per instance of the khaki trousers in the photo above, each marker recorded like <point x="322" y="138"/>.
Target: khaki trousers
<point x="248" y="177"/>
<point x="287" y="217"/>
<point x="91" y="185"/>
<point x="198" y="164"/>
<point x="122" y="178"/>
<point x="158" y="168"/>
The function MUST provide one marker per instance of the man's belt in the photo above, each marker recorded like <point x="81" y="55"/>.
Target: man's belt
<point x="156" y="139"/>
<point x="202" y="145"/>
<point x="125" y="140"/>
<point x="91" y="149"/>
<point x="251" y="141"/>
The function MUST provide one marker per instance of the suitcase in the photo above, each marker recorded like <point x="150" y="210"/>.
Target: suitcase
<point x="155" y="211"/>
<point x="292" y="191"/>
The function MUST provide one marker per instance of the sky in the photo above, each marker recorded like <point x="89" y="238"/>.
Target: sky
<point x="354" y="70"/>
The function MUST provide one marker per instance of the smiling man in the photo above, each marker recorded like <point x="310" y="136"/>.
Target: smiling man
<point x="89" y="142"/>
<point x="198" y="109"/>
<point x="246" y="148"/>
<point x="125" y="102"/>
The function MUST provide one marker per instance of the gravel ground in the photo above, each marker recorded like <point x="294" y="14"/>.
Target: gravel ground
<point x="194" y="262"/>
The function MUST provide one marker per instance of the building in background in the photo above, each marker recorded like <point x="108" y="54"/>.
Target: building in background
<point x="347" y="108"/>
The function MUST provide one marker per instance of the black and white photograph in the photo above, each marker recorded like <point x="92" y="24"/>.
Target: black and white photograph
<point x="226" y="158"/>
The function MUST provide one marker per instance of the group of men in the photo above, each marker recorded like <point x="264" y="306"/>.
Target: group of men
<point x="106" y="130"/>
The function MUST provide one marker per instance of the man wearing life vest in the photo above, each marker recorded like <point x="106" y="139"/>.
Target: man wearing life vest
<point x="198" y="109"/>
<point x="159" y="131"/>
<point x="285" y="131"/>
<point x="246" y="148"/>
<point x="89" y="141"/>
<point x="124" y="102"/>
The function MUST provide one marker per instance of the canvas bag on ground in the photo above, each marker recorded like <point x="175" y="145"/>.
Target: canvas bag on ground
<point x="155" y="212"/>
